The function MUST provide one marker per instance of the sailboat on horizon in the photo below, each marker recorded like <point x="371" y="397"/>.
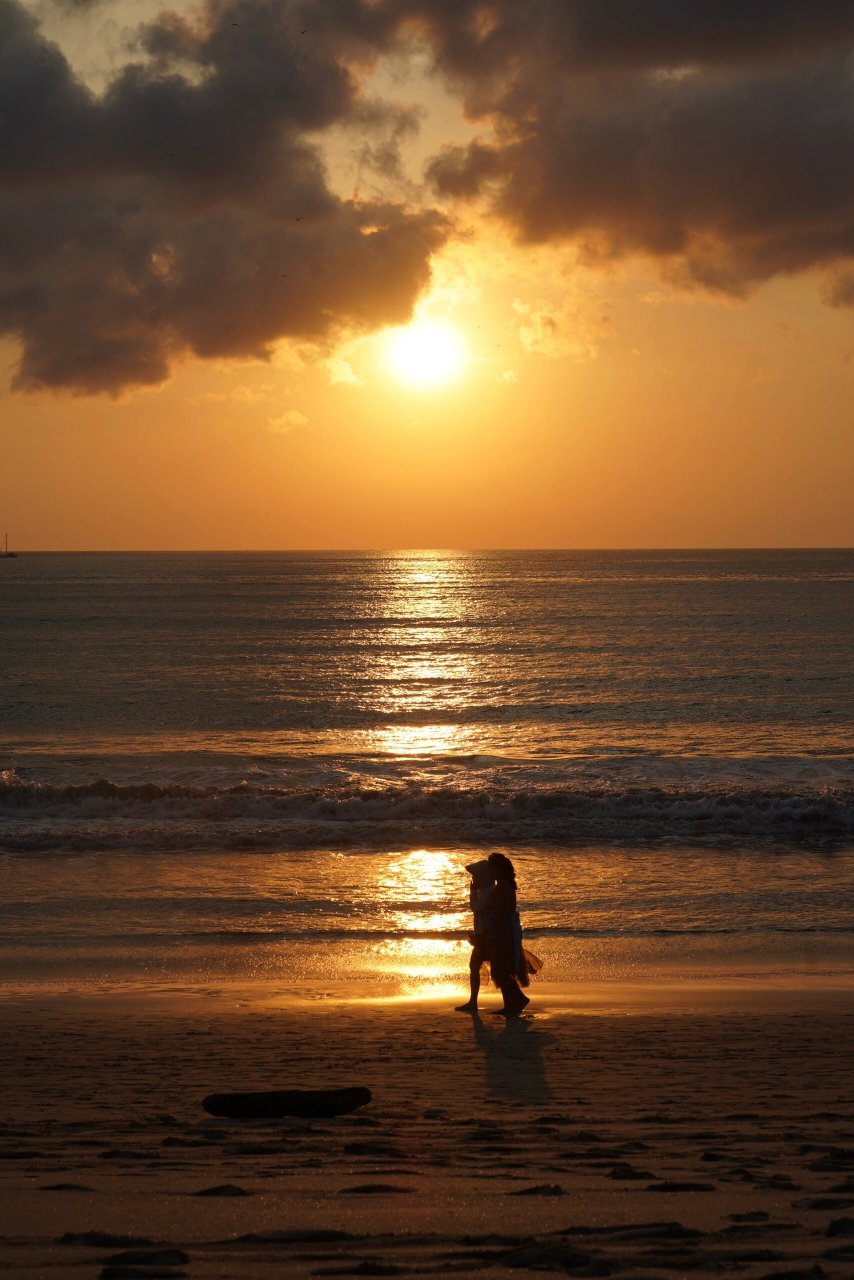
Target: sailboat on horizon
<point x="6" y="554"/>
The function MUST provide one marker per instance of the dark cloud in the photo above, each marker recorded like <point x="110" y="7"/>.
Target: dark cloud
<point x="740" y="178"/>
<point x="714" y="135"/>
<point x="104" y="289"/>
<point x="76" y="7"/>
<point x="479" y="38"/>
<point x="186" y="208"/>
<point x="45" y="114"/>
<point x="663" y="33"/>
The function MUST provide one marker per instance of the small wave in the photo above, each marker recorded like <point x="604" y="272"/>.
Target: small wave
<point x="107" y="814"/>
<point x="321" y="935"/>
<point x="533" y="932"/>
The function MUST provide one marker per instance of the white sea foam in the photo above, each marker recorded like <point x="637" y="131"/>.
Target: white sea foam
<point x="475" y="805"/>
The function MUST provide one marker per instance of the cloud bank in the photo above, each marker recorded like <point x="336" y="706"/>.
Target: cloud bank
<point x="186" y="209"/>
<point x="714" y="136"/>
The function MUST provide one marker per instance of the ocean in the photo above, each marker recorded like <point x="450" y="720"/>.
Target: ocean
<point x="277" y="764"/>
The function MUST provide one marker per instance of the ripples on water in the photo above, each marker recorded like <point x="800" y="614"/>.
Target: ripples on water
<point x="244" y="712"/>
<point x="522" y="653"/>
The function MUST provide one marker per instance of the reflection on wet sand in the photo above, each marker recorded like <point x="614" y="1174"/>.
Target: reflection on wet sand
<point x="513" y="1050"/>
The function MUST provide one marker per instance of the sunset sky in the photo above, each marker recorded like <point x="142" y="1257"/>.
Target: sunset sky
<point x="426" y="273"/>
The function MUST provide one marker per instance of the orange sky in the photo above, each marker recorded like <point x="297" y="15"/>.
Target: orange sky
<point x="598" y="405"/>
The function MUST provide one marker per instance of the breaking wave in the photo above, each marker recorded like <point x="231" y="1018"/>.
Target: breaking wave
<point x="106" y="814"/>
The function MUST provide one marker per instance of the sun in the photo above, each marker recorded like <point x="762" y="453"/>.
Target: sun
<point x="426" y="354"/>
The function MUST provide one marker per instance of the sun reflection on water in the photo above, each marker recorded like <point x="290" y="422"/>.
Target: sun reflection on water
<point x="424" y="670"/>
<point x="422" y="879"/>
<point x="423" y="739"/>
<point x="430" y="665"/>
<point x="425" y="893"/>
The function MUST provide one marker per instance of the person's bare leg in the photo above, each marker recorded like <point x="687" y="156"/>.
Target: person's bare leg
<point x="521" y="1001"/>
<point x="474" y="984"/>
<point x="514" y="999"/>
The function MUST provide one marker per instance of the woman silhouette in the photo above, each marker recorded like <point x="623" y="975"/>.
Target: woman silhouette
<point x="481" y="899"/>
<point x="504" y="944"/>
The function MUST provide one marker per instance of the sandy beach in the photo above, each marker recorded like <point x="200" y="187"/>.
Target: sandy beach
<point x="649" y="1131"/>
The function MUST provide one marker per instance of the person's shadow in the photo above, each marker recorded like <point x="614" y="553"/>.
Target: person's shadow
<point x="513" y="1058"/>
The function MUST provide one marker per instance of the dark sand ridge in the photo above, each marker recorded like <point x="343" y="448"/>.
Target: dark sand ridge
<point x="712" y="1136"/>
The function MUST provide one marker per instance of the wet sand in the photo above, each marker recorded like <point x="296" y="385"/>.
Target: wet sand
<point x="641" y="1131"/>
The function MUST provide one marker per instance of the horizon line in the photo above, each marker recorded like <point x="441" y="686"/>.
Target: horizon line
<point x="410" y="549"/>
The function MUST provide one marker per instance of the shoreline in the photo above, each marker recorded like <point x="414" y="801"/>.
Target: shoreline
<point x="667" y="993"/>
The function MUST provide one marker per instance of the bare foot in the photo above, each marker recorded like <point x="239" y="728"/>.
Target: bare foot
<point x="517" y="1007"/>
<point x="466" y="1008"/>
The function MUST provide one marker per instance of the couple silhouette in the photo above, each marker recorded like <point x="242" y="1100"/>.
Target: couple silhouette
<point x="497" y="936"/>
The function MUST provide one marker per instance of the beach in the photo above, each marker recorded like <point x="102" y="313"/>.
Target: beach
<point x="237" y="798"/>
<point x="652" y="1130"/>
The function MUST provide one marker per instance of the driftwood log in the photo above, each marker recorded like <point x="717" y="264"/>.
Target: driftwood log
<point x="286" y="1102"/>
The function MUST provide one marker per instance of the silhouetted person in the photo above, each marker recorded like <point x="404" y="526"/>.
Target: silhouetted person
<point x="481" y="897"/>
<point x="504" y="940"/>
